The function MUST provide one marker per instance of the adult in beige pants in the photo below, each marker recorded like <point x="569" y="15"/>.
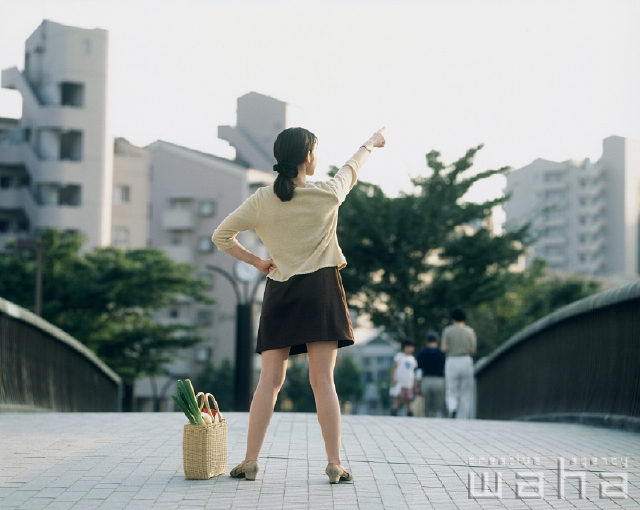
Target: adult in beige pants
<point x="459" y="344"/>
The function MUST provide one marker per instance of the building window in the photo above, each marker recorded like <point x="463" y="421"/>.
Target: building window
<point x="69" y="195"/>
<point x="121" y="237"/>
<point x="205" y="317"/>
<point x="174" y="312"/>
<point x="553" y="177"/>
<point x="180" y="203"/>
<point x="47" y="194"/>
<point x="4" y="226"/>
<point x="205" y="245"/>
<point x="56" y="194"/>
<point x="72" y="94"/>
<point x="121" y="194"/>
<point x="207" y="208"/>
<point x="5" y="181"/>
<point x="71" y="146"/>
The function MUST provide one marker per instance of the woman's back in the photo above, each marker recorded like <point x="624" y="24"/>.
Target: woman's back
<point x="300" y="234"/>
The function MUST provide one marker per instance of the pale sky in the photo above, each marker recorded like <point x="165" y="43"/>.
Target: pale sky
<point x="529" y="79"/>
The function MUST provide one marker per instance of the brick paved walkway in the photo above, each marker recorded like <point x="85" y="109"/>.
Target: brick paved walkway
<point x="134" y="461"/>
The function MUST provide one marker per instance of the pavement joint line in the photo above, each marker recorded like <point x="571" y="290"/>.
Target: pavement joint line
<point x="416" y="463"/>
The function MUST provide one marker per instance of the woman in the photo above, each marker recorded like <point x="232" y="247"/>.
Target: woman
<point x="304" y="307"/>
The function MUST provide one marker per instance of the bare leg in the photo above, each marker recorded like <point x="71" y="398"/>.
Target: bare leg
<point x="274" y="370"/>
<point x="322" y="361"/>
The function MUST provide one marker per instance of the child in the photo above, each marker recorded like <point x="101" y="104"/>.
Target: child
<point x="403" y="374"/>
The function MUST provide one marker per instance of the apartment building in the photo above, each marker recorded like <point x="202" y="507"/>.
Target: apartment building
<point x="585" y="215"/>
<point x="57" y="162"/>
<point x="60" y="168"/>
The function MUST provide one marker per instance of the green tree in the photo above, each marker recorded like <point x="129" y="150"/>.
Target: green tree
<point x="107" y="299"/>
<point x="533" y="294"/>
<point x="348" y="379"/>
<point x="219" y="381"/>
<point x="297" y="388"/>
<point x="412" y="258"/>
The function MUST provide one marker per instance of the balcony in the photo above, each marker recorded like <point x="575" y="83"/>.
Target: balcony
<point x="11" y="198"/>
<point x="178" y="219"/>
<point x="554" y="185"/>
<point x="19" y="199"/>
<point x="555" y="221"/>
<point x="553" y="241"/>
<point x="556" y="261"/>
<point x="39" y="169"/>
<point x="11" y="154"/>
<point x="48" y="115"/>
<point x="182" y="253"/>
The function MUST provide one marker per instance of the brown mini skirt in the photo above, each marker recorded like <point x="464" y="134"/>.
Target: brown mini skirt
<point x="306" y="308"/>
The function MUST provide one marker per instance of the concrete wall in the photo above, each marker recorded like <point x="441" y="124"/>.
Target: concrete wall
<point x="131" y="171"/>
<point x="66" y="139"/>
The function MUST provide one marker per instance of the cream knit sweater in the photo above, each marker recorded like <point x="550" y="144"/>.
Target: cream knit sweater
<point x="300" y="234"/>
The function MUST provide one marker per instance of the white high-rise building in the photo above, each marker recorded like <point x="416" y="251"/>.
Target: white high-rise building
<point x="585" y="216"/>
<point x="57" y="163"/>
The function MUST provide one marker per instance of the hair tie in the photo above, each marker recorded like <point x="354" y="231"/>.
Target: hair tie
<point x="286" y="170"/>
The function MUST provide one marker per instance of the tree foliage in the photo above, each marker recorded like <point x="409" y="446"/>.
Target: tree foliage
<point x="219" y="381"/>
<point x="297" y="389"/>
<point x="348" y="379"/>
<point x="533" y="294"/>
<point x="107" y="299"/>
<point x="414" y="257"/>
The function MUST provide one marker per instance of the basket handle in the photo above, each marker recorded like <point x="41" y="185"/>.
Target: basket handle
<point x="205" y="402"/>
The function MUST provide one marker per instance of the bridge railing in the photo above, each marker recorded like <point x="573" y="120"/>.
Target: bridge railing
<point x="44" y="369"/>
<point x="580" y="363"/>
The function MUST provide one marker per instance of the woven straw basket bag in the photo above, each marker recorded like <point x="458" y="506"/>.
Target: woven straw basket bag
<point x="204" y="447"/>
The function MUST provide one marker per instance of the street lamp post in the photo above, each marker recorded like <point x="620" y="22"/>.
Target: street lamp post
<point x="32" y="244"/>
<point x="243" y="274"/>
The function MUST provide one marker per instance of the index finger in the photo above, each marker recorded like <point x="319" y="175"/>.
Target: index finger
<point x="380" y="130"/>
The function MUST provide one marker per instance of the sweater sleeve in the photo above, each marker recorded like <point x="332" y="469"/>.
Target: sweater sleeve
<point x="344" y="180"/>
<point x="243" y="218"/>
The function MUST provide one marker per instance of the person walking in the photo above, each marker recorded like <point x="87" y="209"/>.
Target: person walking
<point x="403" y="375"/>
<point x="431" y="361"/>
<point x="304" y="307"/>
<point x="459" y="344"/>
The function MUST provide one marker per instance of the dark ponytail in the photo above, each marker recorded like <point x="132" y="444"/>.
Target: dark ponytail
<point x="290" y="149"/>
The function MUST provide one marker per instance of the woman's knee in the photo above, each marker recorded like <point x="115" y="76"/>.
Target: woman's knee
<point x="272" y="380"/>
<point x="321" y="381"/>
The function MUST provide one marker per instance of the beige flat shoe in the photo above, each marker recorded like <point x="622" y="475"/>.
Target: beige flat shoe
<point x="247" y="470"/>
<point x="338" y="474"/>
